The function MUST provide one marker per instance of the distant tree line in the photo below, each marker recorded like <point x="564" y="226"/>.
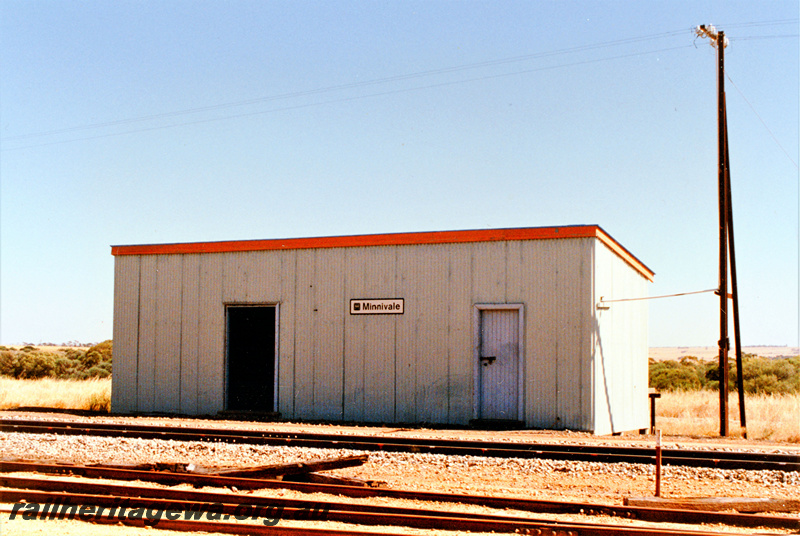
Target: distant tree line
<point x="68" y="343"/>
<point x="762" y="375"/>
<point x="67" y="363"/>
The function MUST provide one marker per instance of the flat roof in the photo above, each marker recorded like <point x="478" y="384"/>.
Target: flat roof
<point x="391" y="239"/>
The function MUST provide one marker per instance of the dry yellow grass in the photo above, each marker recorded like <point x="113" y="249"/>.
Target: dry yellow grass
<point x="93" y="394"/>
<point x="696" y="413"/>
<point x="693" y="413"/>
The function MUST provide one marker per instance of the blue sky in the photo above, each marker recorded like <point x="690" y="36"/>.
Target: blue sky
<point x="131" y="122"/>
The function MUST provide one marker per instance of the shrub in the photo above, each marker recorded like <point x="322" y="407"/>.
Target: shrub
<point x="770" y="376"/>
<point x="761" y="375"/>
<point x="672" y="376"/>
<point x="98" y="372"/>
<point x="8" y="363"/>
<point x="105" y="349"/>
<point x="67" y="363"/>
<point x="35" y="365"/>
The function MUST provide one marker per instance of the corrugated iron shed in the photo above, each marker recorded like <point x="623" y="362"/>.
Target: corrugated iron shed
<point x="529" y="295"/>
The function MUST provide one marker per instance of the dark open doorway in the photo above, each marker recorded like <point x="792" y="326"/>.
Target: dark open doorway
<point x="251" y="358"/>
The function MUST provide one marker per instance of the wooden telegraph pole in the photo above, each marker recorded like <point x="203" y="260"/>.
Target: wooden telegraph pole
<point x="737" y="339"/>
<point x="724" y="343"/>
<point x="725" y="243"/>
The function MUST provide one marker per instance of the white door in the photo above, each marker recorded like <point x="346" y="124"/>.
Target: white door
<point x="498" y="364"/>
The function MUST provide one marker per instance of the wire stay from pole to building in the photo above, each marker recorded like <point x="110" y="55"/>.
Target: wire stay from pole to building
<point x="604" y="301"/>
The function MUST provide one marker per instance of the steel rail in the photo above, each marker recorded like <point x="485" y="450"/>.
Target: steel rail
<point x="226" y="510"/>
<point x="692" y="458"/>
<point x="529" y="505"/>
<point x="223" y="527"/>
<point x="207" y="497"/>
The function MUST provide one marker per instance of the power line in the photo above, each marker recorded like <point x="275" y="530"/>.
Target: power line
<point x="774" y="138"/>
<point x="756" y="37"/>
<point x="779" y="22"/>
<point x="353" y="85"/>
<point x="345" y="99"/>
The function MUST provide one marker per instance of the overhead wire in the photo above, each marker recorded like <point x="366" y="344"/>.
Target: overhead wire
<point x="355" y="85"/>
<point x="340" y="87"/>
<point x="780" y="22"/>
<point x="749" y="25"/>
<point x="753" y="24"/>
<point x="774" y="138"/>
<point x="347" y="99"/>
<point x="757" y="37"/>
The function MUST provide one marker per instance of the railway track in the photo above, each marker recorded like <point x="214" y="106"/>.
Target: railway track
<point x="225" y="527"/>
<point x="192" y="505"/>
<point x="685" y="457"/>
<point x="526" y="505"/>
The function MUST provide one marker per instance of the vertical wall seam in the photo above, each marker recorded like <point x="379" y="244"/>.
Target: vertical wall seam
<point x="315" y="328"/>
<point x="224" y="334"/>
<point x="449" y="339"/>
<point x="364" y="346"/>
<point x="276" y="353"/>
<point x="294" y="340"/>
<point x="197" y="361"/>
<point x="180" y="340"/>
<point x="523" y="359"/>
<point x="505" y="269"/>
<point x="394" y="342"/>
<point x="396" y="286"/>
<point x="416" y="355"/>
<point x="594" y="326"/>
<point x="581" y="329"/>
<point x="344" y="328"/>
<point x="475" y="337"/>
<point x="222" y="283"/>
<point x="155" y="333"/>
<point x="138" y="332"/>
<point x="557" y="353"/>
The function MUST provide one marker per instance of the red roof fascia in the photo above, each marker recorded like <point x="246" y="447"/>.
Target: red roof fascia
<point x="393" y="239"/>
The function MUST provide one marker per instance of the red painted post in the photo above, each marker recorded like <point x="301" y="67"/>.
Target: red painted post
<point x="658" y="465"/>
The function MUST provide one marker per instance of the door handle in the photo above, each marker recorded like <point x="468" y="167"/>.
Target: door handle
<point x="487" y="360"/>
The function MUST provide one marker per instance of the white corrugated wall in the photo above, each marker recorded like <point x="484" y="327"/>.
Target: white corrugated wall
<point x="556" y="275"/>
<point x="416" y="367"/>
<point x="126" y="334"/>
<point x="620" y="346"/>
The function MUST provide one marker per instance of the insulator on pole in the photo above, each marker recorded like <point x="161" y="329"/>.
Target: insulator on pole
<point x="711" y="32"/>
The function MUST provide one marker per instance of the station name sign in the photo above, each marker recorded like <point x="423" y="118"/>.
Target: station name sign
<point x="393" y="306"/>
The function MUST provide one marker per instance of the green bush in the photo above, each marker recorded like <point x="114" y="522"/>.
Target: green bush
<point x="34" y="364"/>
<point x="761" y="375"/>
<point x="105" y="349"/>
<point x="8" y="362"/>
<point x="671" y="376"/>
<point x="67" y="363"/>
<point x="688" y="374"/>
<point x="769" y="376"/>
<point x="98" y="372"/>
